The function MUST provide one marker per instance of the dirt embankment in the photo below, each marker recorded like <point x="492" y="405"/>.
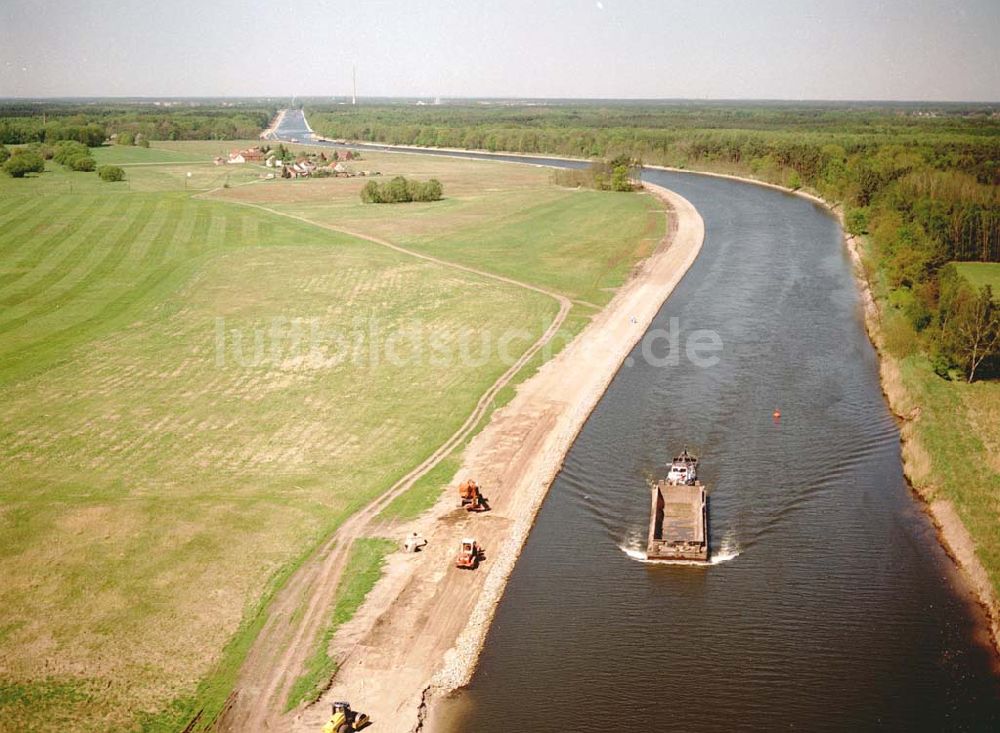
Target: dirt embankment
<point x="420" y="633"/>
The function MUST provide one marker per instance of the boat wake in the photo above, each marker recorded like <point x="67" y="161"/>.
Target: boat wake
<point x="634" y="552"/>
<point x="635" y="548"/>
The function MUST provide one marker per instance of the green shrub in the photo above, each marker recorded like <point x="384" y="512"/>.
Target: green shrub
<point x="370" y="193"/>
<point x="856" y="221"/>
<point x="83" y="163"/>
<point x="66" y="151"/>
<point x="111" y="173"/>
<point x="399" y="190"/>
<point x="602" y="175"/>
<point x="23" y="162"/>
<point x="942" y="366"/>
<point x="73" y="155"/>
<point x="4" y="154"/>
<point x="46" y="151"/>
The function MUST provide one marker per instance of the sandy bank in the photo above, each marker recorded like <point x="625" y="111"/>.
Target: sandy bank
<point x="420" y="634"/>
<point x="272" y="129"/>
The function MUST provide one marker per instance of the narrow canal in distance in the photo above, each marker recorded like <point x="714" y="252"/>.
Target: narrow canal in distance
<point x="836" y="609"/>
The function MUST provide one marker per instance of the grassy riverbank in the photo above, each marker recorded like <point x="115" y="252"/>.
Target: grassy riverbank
<point x="160" y="469"/>
<point x="951" y="433"/>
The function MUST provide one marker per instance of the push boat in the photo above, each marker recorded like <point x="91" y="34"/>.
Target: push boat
<point x="678" y="521"/>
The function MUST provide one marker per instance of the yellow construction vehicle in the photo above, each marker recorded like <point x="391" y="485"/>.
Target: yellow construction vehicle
<point x="345" y="720"/>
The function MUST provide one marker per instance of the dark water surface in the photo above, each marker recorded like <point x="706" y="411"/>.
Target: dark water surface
<point x="836" y="608"/>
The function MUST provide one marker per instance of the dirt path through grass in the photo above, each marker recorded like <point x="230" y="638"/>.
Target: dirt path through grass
<point x="420" y="633"/>
<point x="298" y="614"/>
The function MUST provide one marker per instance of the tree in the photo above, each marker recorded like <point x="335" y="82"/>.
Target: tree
<point x="433" y="190"/>
<point x="111" y="173"/>
<point x="370" y="194"/>
<point x="396" y="191"/>
<point x="971" y="329"/>
<point x="620" y="179"/>
<point x="23" y="162"/>
<point x="4" y="154"/>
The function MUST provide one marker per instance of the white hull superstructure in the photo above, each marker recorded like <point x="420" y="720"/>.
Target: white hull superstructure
<point x="683" y="470"/>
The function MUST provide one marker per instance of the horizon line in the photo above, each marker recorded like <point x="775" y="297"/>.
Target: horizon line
<point x="811" y="100"/>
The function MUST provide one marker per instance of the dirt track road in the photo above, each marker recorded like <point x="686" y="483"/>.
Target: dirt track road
<point x="299" y="613"/>
<point x="420" y="633"/>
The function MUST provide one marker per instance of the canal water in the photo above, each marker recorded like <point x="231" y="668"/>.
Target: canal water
<point x="829" y="606"/>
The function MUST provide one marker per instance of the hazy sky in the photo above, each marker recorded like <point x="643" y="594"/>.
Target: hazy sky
<point x="795" y="49"/>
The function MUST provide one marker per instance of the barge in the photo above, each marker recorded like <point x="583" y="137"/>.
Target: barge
<point x="678" y="521"/>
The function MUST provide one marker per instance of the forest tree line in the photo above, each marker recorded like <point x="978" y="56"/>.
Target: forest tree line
<point x="91" y="125"/>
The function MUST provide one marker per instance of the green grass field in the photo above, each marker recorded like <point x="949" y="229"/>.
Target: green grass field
<point x="189" y="401"/>
<point x="128" y="155"/>
<point x="959" y="427"/>
<point x="981" y="274"/>
<point x="500" y="217"/>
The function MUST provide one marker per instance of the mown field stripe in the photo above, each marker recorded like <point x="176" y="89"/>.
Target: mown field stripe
<point x="165" y="237"/>
<point x="32" y="360"/>
<point x="146" y="246"/>
<point x="203" y="216"/>
<point x="18" y="213"/>
<point x="116" y="252"/>
<point x="61" y="259"/>
<point x="92" y="251"/>
<point x="28" y="248"/>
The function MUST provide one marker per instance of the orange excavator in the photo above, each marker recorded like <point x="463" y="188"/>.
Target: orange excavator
<point x="469" y="554"/>
<point x="472" y="498"/>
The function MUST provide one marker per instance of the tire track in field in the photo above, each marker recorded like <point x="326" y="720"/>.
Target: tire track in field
<point x="299" y="612"/>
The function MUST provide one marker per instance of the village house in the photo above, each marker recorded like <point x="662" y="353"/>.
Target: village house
<point x="255" y="155"/>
